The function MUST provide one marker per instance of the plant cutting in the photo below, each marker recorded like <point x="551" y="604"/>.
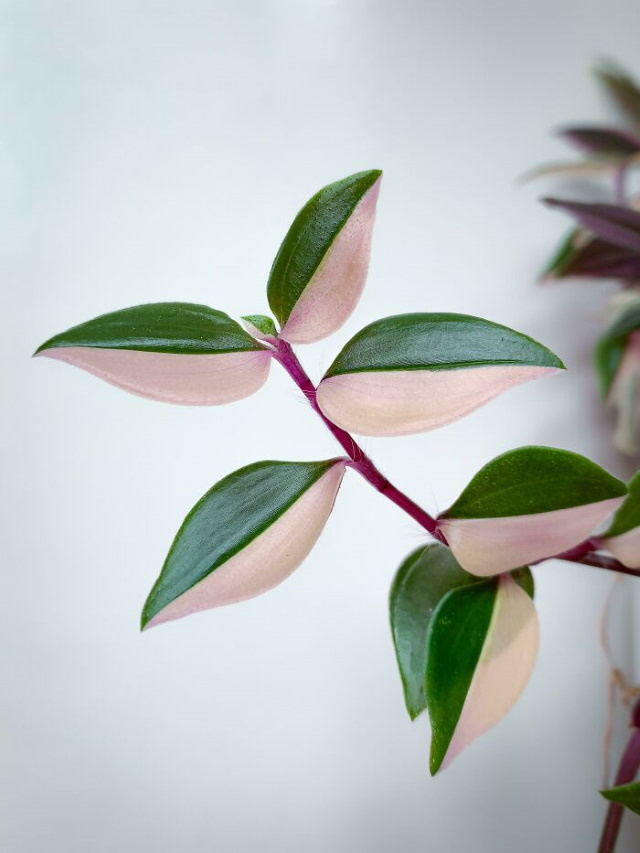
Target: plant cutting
<point x="463" y="618"/>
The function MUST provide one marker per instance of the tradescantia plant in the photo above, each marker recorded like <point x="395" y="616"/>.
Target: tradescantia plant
<point x="462" y="615"/>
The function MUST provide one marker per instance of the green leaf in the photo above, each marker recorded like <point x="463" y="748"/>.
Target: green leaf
<point x="531" y="480"/>
<point x="310" y="237"/>
<point x="423" y="579"/>
<point x="626" y="795"/>
<point x="455" y="640"/>
<point x="628" y="516"/>
<point x="229" y="518"/>
<point x="163" y="327"/>
<point x="437" y="342"/>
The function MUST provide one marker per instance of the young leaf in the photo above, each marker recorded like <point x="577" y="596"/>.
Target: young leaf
<point x="626" y="795"/>
<point x="171" y="351"/>
<point x="601" y="141"/>
<point x="319" y="272"/>
<point x="421" y="582"/>
<point x="526" y="505"/>
<point x="245" y="536"/>
<point x="415" y="372"/>
<point x="481" y="646"/>
<point x="260" y="326"/>
<point x="622" y="538"/>
<point x="613" y="223"/>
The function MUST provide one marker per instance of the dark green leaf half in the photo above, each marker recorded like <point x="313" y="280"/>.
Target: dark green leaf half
<point x="626" y="795"/>
<point x="438" y="342"/>
<point x="310" y="237"/>
<point x="423" y="579"/>
<point x="532" y="480"/>
<point x="164" y="327"/>
<point x="628" y="516"/>
<point x="455" y="640"/>
<point x="227" y="519"/>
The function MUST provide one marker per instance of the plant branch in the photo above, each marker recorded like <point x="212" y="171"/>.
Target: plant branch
<point x="627" y="770"/>
<point x="359" y="460"/>
<point x="600" y="561"/>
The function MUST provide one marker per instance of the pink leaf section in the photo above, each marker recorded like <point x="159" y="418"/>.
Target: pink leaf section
<point x="400" y="402"/>
<point x="190" y="380"/>
<point x="336" y="286"/>
<point x="625" y="547"/>
<point x="490" y="546"/>
<point x="268" y="559"/>
<point x="504" y="668"/>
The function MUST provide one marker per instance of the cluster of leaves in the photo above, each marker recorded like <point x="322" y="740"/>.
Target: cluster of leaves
<point x="462" y="613"/>
<point x="605" y="244"/>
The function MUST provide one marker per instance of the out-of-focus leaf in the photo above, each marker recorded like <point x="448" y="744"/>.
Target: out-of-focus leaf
<point x="526" y="505"/>
<point x="481" y="647"/>
<point x="319" y="272"/>
<point x="602" y="141"/>
<point x="171" y="351"/>
<point x="623" y="90"/>
<point x="599" y="259"/>
<point x="613" y="223"/>
<point x="563" y="255"/>
<point x="247" y="534"/>
<point x="415" y="372"/>
<point x="622" y="538"/>
<point x="610" y="347"/>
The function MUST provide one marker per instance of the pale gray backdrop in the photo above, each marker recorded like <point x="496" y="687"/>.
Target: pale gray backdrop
<point x="158" y="151"/>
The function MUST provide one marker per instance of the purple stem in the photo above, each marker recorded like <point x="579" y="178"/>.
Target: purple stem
<point x="359" y="460"/>
<point x="627" y="770"/>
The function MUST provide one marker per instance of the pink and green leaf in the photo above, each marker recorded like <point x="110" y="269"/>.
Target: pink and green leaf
<point x="171" y="351"/>
<point x="526" y="505"/>
<point x="245" y="536"/>
<point x="481" y="647"/>
<point x="319" y="272"/>
<point x="415" y="372"/>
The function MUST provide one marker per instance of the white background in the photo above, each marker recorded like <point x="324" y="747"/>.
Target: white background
<point x="158" y="151"/>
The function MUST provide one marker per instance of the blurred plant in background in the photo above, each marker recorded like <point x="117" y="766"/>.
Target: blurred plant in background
<point x="605" y="244"/>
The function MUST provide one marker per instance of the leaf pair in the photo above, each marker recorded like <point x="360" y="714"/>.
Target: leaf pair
<point x="465" y="648"/>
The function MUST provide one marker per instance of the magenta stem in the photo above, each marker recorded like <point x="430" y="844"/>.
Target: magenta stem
<point x="359" y="460"/>
<point x="627" y="770"/>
